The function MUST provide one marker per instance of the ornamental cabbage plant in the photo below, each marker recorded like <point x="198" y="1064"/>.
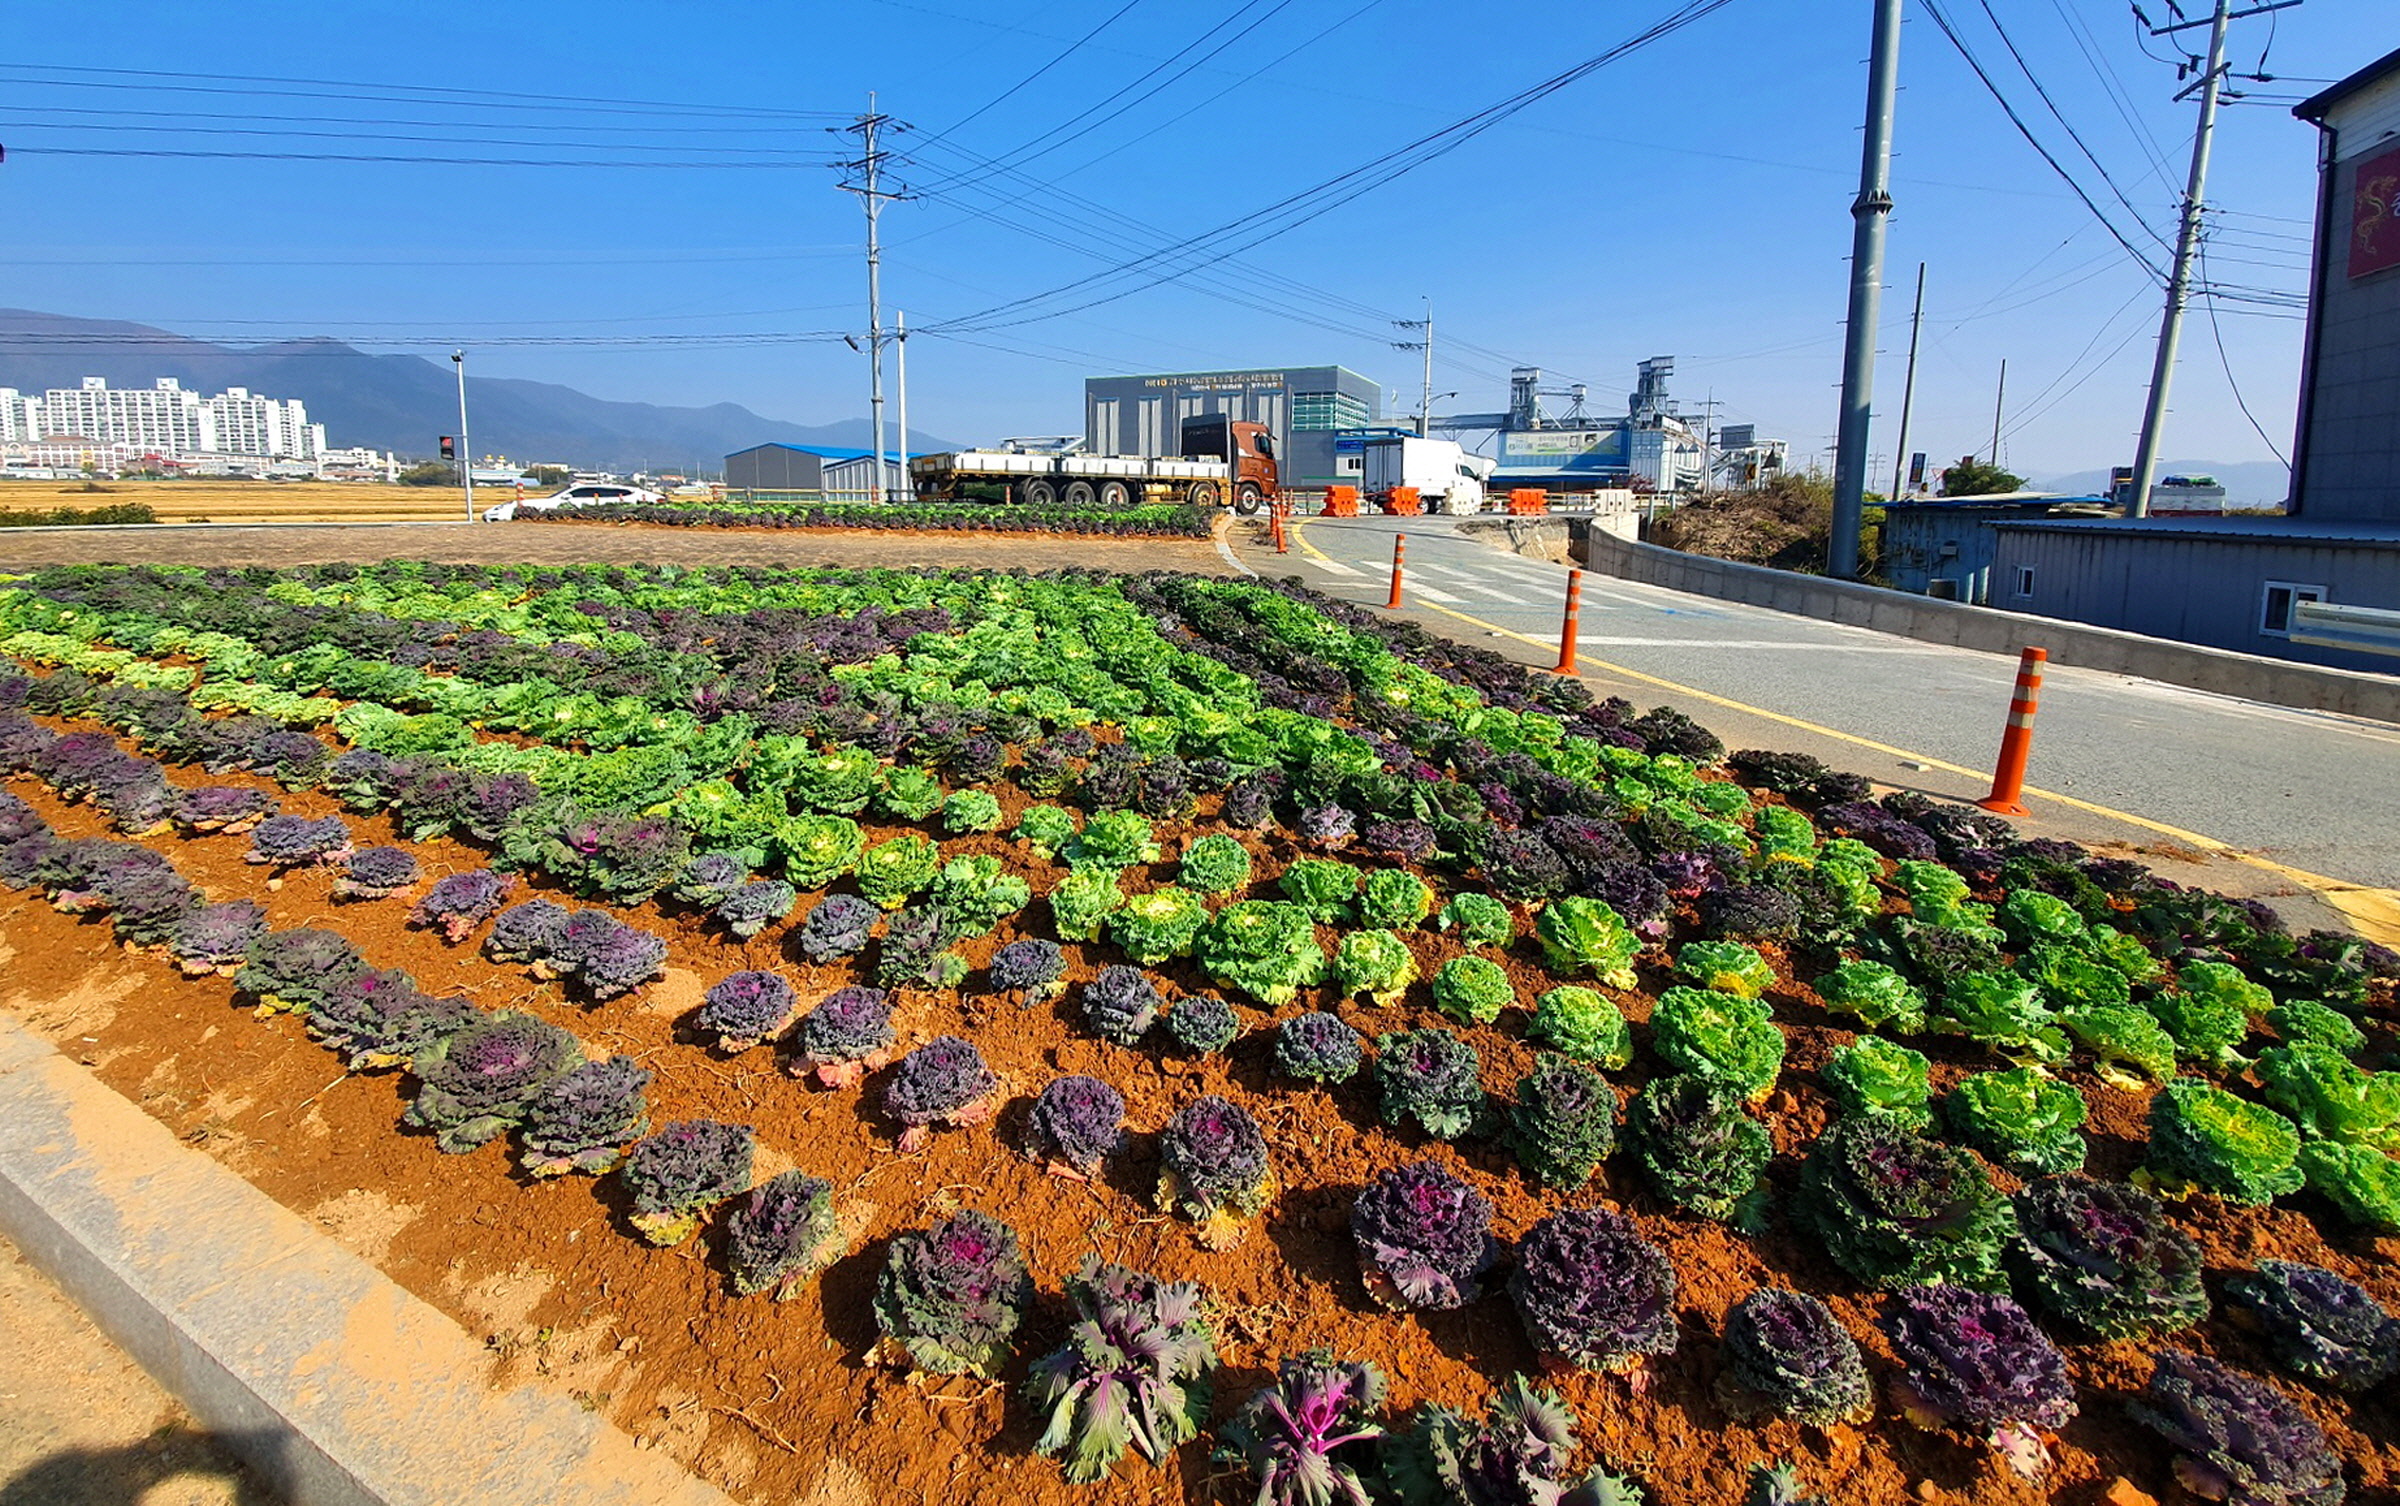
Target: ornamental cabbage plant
<point x="897" y="867"/>
<point x="1375" y="963"/>
<point x="1203" y="1024"/>
<point x="783" y="1232"/>
<point x="1515" y="1456"/>
<point x="817" y="851"/>
<point x="2023" y="1119"/>
<point x="2005" y="1013"/>
<point x="2104" y="1258"/>
<point x="2361" y="1183"/>
<point x="2307" y="1021"/>
<point x="1895" y="1210"/>
<point x="1263" y="948"/>
<point x="1158" y="926"/>
<point x="1975" y="1363"/>
<point x="1873" y="1076"/>
<point x="2328" y="1097"/>
<point x="847" y="1035"/>
<point x="1582" y="1023"/>
<point x="949" y="1298"/>
<point x="1726" y="967"/>
<point x="839" y="926"/>
<point x="1564" y="1122"/>
<point x="216" y="938"/>
<point x="1317" y="1047"/>
<point x="746" y="1008"/>
<point x="1120" y="1004"/>
<point x="1045" y="830"/>
<point x="376" y="873"/>
<point x="942" y="1082"/>
<point x="1394" y="899"/>
<point x="1029" y="970"/>
<point x="1585" y="936"/>
<point x="481" y="1081"/>
<point x="2204" y="1139"/>
<point x="909" y="794"/>
<point x="1113" y="839"/>
<point x="381" y="1019"/>
<point x="585" y="1117"/>
<point x="977" y="894"/>
<point x="1789" y="1351"/>
<point x="1217" y="1172"/>
<point x="967" y="812"/>
<point x="755" y="906"/>
<point x="1718" y="1035"/>
<point x="1322" y="887"/>
<point x="2316" y="1324"/>
<point x="526" y="932"/>
<point x="1309" y="1437"/>
<point x="459" y="902"/>
<point x="1424" y="1237"/>
<point x="1216" y="864"/>
<point x="1133" y="1372"/>
<point x="1472" y="990"/>
<point x="1083" y="900"/>
<point x="2236" y="1437"/>
<point x="1428" y="1078"/>
<point x="1592" y="1292"/>
<point x="295" y="971"/>
<point x="1479" y="919"/>
<point x="1076" y="1123"/>
<point x="1699" y="1147"/>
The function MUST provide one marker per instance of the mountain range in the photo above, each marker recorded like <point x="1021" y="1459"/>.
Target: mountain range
<point x="404" y="403"/>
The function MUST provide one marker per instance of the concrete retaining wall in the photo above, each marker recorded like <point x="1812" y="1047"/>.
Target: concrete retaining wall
<point x="2249" y="676"/>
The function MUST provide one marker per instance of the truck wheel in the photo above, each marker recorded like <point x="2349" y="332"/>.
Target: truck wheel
<point x="1077" y="494"/>
<point x="1203" y="494"/>
<point x="1248" y="500"/>
<point x="1040" y="491"/>
<point x="1115" y="494"/>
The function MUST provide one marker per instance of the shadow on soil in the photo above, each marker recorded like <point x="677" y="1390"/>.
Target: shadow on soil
<point x="114" y="1476"/>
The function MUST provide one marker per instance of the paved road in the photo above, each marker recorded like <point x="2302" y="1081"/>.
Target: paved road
<point x="2311" y="790"/>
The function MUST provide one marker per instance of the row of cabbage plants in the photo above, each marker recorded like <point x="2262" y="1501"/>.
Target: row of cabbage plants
<point x="1149" y="520"/>
<point x="1475" y="799"/>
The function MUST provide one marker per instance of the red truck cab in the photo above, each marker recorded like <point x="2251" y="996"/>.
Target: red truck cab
<point x="1249" y="450"/>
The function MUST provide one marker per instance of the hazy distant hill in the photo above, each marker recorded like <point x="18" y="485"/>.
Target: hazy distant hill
<point x="2247" y="483"/>
<point x="403" y="403"/>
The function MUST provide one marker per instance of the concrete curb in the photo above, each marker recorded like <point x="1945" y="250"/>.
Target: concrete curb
<point x="336" y="1386"/>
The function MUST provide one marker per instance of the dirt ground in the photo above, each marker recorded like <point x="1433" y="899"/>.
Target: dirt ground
<point x="82" y="1425"/>
<point x="609" y="543"/>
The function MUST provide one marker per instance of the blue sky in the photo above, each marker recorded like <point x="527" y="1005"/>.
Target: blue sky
<point x="1689" y="199"/>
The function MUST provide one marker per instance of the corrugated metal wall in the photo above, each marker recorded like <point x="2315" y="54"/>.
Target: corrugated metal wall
<point x="774" y="468"/>
<point x="2352" y="468"/>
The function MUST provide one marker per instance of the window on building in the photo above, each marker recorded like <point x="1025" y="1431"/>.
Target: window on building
<point x="2275" y="605"/>
<point x="2024" y="580"/>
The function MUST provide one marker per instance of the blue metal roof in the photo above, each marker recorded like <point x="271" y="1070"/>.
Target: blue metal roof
<point x="1994" y="501"/>
<point x="2266" y="530"/>
<point x="825" y="451"/>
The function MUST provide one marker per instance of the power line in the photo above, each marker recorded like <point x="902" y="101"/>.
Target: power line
<point x="1011" y="91"/>
<point x="2068" y="126"/>
<point x="2226" y="361"/>
<point x="353" y="90"/>
<point x="402" y="159"/>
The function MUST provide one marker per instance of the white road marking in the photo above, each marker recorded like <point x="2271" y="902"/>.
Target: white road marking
<point x="1334" y="567"/>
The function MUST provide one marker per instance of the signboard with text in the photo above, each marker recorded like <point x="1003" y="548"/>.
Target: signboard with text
<point x="2375" y="215"/>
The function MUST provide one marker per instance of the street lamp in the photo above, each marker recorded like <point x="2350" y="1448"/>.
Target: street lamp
<point x="466" y="451"/>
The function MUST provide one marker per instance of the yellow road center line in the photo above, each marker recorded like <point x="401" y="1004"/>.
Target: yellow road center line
<point x="2376" y="912"/>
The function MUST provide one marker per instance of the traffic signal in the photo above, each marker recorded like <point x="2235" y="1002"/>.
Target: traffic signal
<point x="449" y="448"/>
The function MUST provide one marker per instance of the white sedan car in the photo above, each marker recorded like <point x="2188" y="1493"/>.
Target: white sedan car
<point x="586" y="492"/>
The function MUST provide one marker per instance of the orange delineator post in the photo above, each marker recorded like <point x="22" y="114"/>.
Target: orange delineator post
<point x="2008" y="780"/>
<point x="1282" y="544"/>
<point x="1566" y="633"/>
<point x="1399" y="555"/>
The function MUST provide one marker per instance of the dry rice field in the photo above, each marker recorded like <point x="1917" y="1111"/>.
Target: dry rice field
<point x="255" y="501"/>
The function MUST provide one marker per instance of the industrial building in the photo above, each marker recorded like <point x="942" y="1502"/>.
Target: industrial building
<point x="1304" y="407"/>
<point x="1944" y="546"/>
<point x="1652" y="446"/>
<point x="806" y="473"/>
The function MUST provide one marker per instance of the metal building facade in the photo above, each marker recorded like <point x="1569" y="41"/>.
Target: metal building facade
<point x="2348" y="461"/>
<point x="2220" y="582"/>
<point x="1302" y="406"/>
<point x="774" y="468"/>
<point x="1944" y="547"/>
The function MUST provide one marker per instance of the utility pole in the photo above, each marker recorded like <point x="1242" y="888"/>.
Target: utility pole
<point x="1708" y="425"/>
<point x="1908" y="390"/>
<point x="868" y="165"/>
<point x="908" y="485"/>
<point x="466" y="451"/>
<point x="1425" y="413"/>
<point x="2179" y="285"/>
<point x="1868" y="212"/>
<point x="1999" y="400"/>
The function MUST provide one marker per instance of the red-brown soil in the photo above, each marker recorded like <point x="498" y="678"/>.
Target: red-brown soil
<point x="778" y="1402"/>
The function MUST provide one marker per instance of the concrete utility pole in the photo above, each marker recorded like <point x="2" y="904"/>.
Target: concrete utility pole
<point x="908" y="486"/>
<point x="1869" y="212"/>
<point x="2179" y="285"/>
<point x="1425" y="326"/>
<point x="466" y="451"/>
<point x="1908" y="390"/>
<point x="1999" y="402"/>
<point x="869" y="164"/>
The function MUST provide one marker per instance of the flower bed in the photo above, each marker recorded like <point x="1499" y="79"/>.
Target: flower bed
<point x="873" y="939"/>
<point x="1169" y="520"/>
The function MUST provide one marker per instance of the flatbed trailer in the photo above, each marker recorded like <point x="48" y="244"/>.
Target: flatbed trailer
<point x="1223" y="463"/>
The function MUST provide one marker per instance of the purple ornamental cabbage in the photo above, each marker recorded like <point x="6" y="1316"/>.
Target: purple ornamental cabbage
<point x="1121" y="1004"/>
<point x="2105" y="1257"/>
<point x="1592" y="1291"/>
<point x="220" y="808"/>
<point x="1134" y="1371"/>
<point x="381" y="1019"/>
<point x="604" y="955"/>
<point x="363" y="779"/>
<point x="1408" y="839"/>
<point x="298" y="842"/>
<point x="845" y="1037"/>
<point x="18" y="820"/>
<point x="678" y="1174"/>
<point x="838" y="927"/>
<point x="1976" y="1363"/>
<point x="781" y="1234"/>
<point x="2318" y="1325"/>
<point x="585" y="1118"/>
<point x="145" y="903"/>
<point x="1327" y="827"/>
<point x="755" y="906"/>
<point x="21" y="861"/>
<point x="216" y="938"/>
<point x="1216" y="1168"/>
<point x="942" y="1082"/>
<point x="1310" y="1436"/>
<point x="1424" y="1238"/>
<point x="295" y="970"/>
<point x="950" y="1298"/>
<point x="1031" y="969"/>
<point x="456" y="904"/>
<point x="709" y="877"/>
<point x="2238" y="1438"/>
<point x="480" y="1081"/>
<point x="1787" y="1349"/>
<point x="495" y="803"/>
<point x="525" y="933"/>
<point x="746" y="1008"/>
<point x="376" y="873"/>
<point x="1077" y="1122"/>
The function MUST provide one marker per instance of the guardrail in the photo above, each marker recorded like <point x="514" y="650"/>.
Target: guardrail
<point x="2366" y="630"/>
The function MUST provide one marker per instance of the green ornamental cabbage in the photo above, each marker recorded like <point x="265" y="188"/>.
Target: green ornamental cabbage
<point x="1472" y="990"/>
<point x="2363" y="1184"/>
<point x="1584" y="1024"/>
<point x="1878" y="995"/>
<point x="1724" y="1036"/>
<point x="1585" y="936"/>
<point x="1375" y="963"/>
<point x="2206" y="1027"/>
<point x="893" y="869"/>
<point x="1729" y="967"/>
<point x="2031" y="917"/>
<point x="909" y="794"/>
<point x="976" y="894"/>
<point x="1046" y="830"/>
<point x="1163" y="923"/>
<point x="2071" y="978"/>
<point x="1936" y="893"/>
<point x="1083" y="899"/>
<point x="1216" y="864"/>
<point x="970" y="811"/>
<point x="2123" y="1038"/>
<point x="1263" y="948"/>
<point x="1479" y="919"/>
<point x="2024" y="1119"/>
<point x="816" y="851"/>
<point x="2005" y="1013"/>
<point x="1395" y="899"/>
<point x="1113" y="839"/>
<point x="1873" y="1076"/>
<point x="1322" y="887"/>
<point x="2330" y="1098"/>
<point x="2202" y="1138"/>
<point x="2307" y="1020"/>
